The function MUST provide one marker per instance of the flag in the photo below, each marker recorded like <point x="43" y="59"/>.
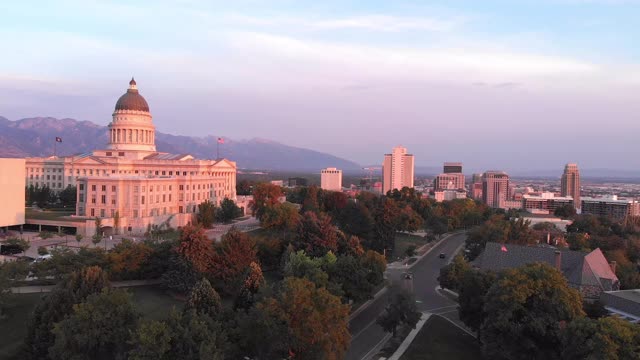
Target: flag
<point x="220" y="141"/>
<point x="58" y="139"/>
<point x="504" y="248"/>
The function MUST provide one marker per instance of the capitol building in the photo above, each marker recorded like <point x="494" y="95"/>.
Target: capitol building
<point x="129" y="184"/>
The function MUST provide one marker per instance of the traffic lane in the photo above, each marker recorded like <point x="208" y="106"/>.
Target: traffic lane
<point x="365" y="341"/>
<point x="426" y="272"/>
<point x="375" y="308"/>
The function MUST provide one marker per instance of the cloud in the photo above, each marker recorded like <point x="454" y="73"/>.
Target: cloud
<point x="383" y="23"/>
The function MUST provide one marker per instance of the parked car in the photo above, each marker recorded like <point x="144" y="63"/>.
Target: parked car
<point x="407" y="275"/>
<point x="442" y="256"/>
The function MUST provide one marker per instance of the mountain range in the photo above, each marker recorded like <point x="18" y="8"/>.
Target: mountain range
<point x="36" y="137"/>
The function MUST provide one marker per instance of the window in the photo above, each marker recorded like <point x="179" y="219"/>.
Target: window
<point x="113" y="199"/>
<point x="135" y="189"/>
<point x="181" y="187"/>
<point x="104" y="187"/>
<point x="109" y="153"/>
<point x="135" y="213"/>
<point x="142" y="200"/>
<point x="135" y="200"/>
<point x="93" y="188"/>
<point x="164" y="198"/>
<point x="180" y="209"/>
<point x="93" y="212"/>
<point x="169" y="187"/>
<point x="157" y="172"/>
<point x="113" y="213"/>
<point x="60" y="185"/>
<point x="169" y="197"/>
<point x="164" y="173"/>
<point x="121" y="153"/>
<point x="157" y="198"/>
<point x="93" y="200"/>
<point x="103" y="199"/>
<point x="113" y="188"/>
<point x="81" y="197"/>
<point x="101" y="212"/>
<point x="143" y="189"/>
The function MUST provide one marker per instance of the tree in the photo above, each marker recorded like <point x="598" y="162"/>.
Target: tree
<point x="228" y="211"/>
<point x="42" y="250"/>
<point x="97" y="328"/>
<point x="68" y="196"/>
<point x="452" y="274"/>
<point x="206" y="214"/>
<point x="281" y="217"/>
<point x="525" y="312"/>
<point x="79" y="238"/>
<point x="565" y="211"/>
<point x="195" y="247"/>
<point x="150" y="341"/>
<point x="116" y="222"/>
<point x="127" y="259"/>
<point x="264" y="195"/>
<point x="352" y="277"/>
<point x="195" y="336"/>
<point x="243" y="187"/>
<point x="402" y="310"/>
<point x="604" y="338"/>
<point x="316" y="235"/>
<point x="300" y="265"/>
<point x="471" y="297"/>
<point x="204" y="299"/>
<point x="409" y="220"/>
<point x="233" y="255"/>
<point x="19" y="243"/>
<point x="10" y="271"/>
<point x="375" y="264"/>
<point x="386" y="224"/>
<point x="97" y="237"/>
<point x="57" y="305"/>
<point x="253" y="282"/>
<point x="310" y="200"/>
<point x="299" y="304"/>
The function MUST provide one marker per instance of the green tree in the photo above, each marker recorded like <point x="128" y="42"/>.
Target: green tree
<point x="228" y="211"/>
<point x="316" y="235"/>
<point x="204" y="299"/>
<point x="281" y="217"/>
<point x="471" y="297"/>
<point x="195" y="336"/>
<point x="452" y="274"/>
<point x="243" y="187"/>
<point x="150" y="341"/>
<point x="299" y="304"/>
<point x="375" y="264"/>
<point x="565" y="211"/>
<point x="97" y="328"/>
<point x="97" y="237"/>
<point x="525" y="311"/>
<point x="54" y="307"/>
<point x="9" y="272"/>
<point x="352" y="277"/>
<point x="68" y="196"/>
<point x="300" y="265"/>
<point x="206" y="214"/>
<point x="253" y="282"/>
<point x="402" y="310"/>
<point x="17" y="242"/>
<point x="605" y="338"/>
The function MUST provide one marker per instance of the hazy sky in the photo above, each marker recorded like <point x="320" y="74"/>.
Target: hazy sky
<point x="505" y="84"/>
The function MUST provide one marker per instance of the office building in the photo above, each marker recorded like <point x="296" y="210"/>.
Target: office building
<point x="570" y="184"/>
<point x="397" y="170"/>
<point x="495" y="188"/>
<point x="297" y="181"/>
<point x="544" y="203"/>
<point x="12" y="192"/>
<point x="448" y="195"/>
<point x="452" y="168"/>
<point x="132" y="182"/>
<point x="331" y="179"/>
<point x="610" y="206"/>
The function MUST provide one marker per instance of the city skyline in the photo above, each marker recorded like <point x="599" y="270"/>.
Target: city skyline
<point x="467" y="80"/>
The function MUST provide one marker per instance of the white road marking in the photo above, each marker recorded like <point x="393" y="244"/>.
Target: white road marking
<point x="364" y="329"/>
<point x="442" y="307"/>
<point x="463" y="329"/>
<point x="376" y="347"/>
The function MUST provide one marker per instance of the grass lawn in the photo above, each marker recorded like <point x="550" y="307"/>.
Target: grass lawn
<point x="48" y="215"/>
<point x="439" y="339"/>
<point x="153" y="302"/>
<point x="403" y="241"/>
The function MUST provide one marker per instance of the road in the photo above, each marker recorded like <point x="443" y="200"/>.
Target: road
<point x="367" y="335"/>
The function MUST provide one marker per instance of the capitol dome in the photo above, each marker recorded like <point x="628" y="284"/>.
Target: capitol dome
<point x="132" y="100"/>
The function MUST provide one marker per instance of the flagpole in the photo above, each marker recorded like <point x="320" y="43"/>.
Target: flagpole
<point x="217" y="149"/>
<point x="55" y="146"/>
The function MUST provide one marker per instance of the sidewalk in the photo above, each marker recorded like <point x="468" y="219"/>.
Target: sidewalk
<point x="115" y="284"/>
<point x="409" y="339"/>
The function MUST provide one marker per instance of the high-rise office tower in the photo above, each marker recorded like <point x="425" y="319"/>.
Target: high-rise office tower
<point x="495" y="188"/>
<point x="451" y="178"/>
<point x="452" y="168"/>
<point x="397" y="170"/>
<point x="570" y="184"/>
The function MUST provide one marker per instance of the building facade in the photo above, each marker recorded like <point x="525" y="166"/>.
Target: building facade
<point x="544" y="203"/>
<point x="448" y="181"/>
<point x="611" y="207"/>
<point x="570" y="184"/>
<point x="397" y="170"/>
<point x="12" y="192"/>
<point x="132" y="182"/>
<point x="331" y="179"/>
<point x="495" y="188"/>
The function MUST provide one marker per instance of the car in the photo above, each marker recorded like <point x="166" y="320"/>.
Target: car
<point x="442" y="256"/>
<point x="407" y="275"/>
